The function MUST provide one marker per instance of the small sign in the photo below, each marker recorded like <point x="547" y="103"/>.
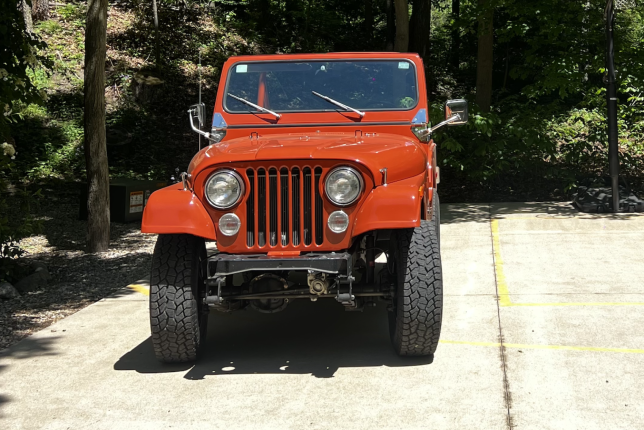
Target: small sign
<point x="136" y="202"/>
<point x="241" y="68"/>
<point x="403" y="65"/>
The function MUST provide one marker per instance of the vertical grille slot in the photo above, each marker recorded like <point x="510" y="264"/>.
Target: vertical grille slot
<point x="319" y="223"/>
<point x="261" y="207"/>
<point x="308" y="205"/>
<point x="272" y="184"/>
<point x="250" y="210"/>
<point x="295" y="193"/>
<point x="284" y="205"/>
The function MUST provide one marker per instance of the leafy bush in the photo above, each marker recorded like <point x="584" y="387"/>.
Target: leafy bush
<point x="16" y="221"/>
<point x="22" y="66"/>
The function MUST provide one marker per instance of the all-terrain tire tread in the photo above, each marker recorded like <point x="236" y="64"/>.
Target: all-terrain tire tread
<point x="174" y="314"/>
<point x="418" y="313"/>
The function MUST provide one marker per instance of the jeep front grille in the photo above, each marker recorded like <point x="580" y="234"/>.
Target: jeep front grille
<point x="284" y="207"/>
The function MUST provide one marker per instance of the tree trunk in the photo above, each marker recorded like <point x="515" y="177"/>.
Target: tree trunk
<point x="368" y="21"/>
<point x="456" y="35"/>
<point x="98" y="183"/>
<point x="420" y="27"/>
<point x="485" y="61"/>
<point x="40" y="10"/>
<point x="26" y="14"/>
<point x="402" y="26"/>
<point x="391" y="25"/>
<point x="157" y="53"/>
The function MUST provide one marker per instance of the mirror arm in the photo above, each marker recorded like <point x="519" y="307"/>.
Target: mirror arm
<point x="192" y="124"/>
<point x="455" y="117"/>
<point x="429" y="131"/>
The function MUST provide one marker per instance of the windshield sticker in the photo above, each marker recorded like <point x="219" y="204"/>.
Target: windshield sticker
<point x="242" y="68"/>
<point x="401" y="65"/>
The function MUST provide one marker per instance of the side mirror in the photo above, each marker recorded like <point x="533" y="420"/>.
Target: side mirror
<point x="198" y="111"/>
<point x="218" y="130"/>
<point x="456" y="107"/>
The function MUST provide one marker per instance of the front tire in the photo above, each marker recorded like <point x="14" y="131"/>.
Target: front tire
<point x="415" y="320"/>
<point x="178" y="315"/>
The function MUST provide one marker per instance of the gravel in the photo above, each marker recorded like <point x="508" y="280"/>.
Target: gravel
<point x="78" y="279"/>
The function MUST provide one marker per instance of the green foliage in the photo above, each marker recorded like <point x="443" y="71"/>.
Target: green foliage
<point x="547" y="120"/>
<point x="549" y="111"/>
<point x="305" y="25"/>
<point x="18" y="57"/>
<point x="21" y="68"/>
<point x="16" y="221"/>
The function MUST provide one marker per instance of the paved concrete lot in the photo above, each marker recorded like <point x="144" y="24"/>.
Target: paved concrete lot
<point x="542" y="330"/>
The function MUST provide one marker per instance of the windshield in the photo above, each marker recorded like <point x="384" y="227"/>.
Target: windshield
<point x="288" y="86"/>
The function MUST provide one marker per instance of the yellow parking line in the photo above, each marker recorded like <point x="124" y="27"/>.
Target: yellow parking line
<point x="504" y="291"/>
<point x="579" y="304"/>
<point x="502" y="285"/>
<point x="554" y="347"/>
<point x="629" y="217"/>
<point x="143" y="289"/>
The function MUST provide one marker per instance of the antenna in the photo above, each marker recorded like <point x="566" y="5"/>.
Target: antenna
<point x="200" y="122"/>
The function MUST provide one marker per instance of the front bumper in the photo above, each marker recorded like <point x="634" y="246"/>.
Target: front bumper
<point x="229" y="264"/>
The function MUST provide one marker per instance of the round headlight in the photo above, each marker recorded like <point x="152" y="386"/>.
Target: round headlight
<point x="343" y="186"/>
<point x="224" y="189"/>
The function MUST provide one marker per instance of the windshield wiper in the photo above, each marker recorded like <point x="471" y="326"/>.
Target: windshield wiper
<point x="259" y="108"/>
<point x="337" y="103"/>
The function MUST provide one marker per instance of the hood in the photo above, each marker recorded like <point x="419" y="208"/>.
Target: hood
<point x="400" y="155"/>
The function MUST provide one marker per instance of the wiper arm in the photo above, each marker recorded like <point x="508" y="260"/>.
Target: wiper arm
<point x="337" y="103"/>
<point x="259" y="108"/>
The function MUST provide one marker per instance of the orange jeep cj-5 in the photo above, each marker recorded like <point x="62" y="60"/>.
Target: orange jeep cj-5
<point x="317" y="165"/>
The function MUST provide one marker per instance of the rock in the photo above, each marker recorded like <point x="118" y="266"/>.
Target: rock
<point x="34" y="282"/>
<point x="8" y="291"/>
<point x="42" y="269"/>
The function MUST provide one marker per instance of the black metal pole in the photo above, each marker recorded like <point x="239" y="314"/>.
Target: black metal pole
<point x="611" y="100"/>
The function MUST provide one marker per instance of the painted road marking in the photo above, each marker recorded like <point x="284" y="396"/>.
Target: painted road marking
<point x="504" y="291"/>
<point x="140" y="288"/>
<point x="619" y="217"/>
<point x="555" y="347"/>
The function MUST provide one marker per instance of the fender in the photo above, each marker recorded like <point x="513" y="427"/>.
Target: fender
<point x="172" y="210"/>
<point x="395" y="205"/>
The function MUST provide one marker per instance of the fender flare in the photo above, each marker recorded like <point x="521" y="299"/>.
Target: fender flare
<point x="391" y="206"/>
<point x="173" y="210"/>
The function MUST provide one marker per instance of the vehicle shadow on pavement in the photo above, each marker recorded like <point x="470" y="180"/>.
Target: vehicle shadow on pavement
<point x="306" y="338"/>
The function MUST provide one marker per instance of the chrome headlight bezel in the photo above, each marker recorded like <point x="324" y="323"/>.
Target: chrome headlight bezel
<point x="234" y="175"/>
<point x="351" y="170"/>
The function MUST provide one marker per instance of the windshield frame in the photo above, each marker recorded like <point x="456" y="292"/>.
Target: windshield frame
<point x="320" y="60"/>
